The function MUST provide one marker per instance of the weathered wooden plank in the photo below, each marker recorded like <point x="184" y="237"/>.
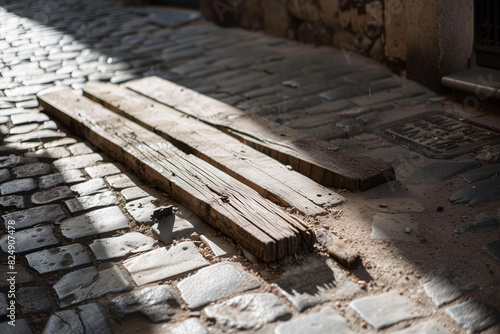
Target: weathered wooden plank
<point x="322" y="162"/>
<point x="257" y="170"/>
<point x="229" y="205"/>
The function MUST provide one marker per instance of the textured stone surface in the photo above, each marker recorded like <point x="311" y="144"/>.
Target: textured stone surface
<point x="314" y="282"/>
<point x="478" y="193"/>
<point x="86" y="203"/>
<point x="490" y="154"/>
<point x="214" y="283"/>
<point x="443" y="170"/>
<point x="384" y="310"/>
<point x="484" y="172"/>
<point x="58" y="258"/>
<point x="134" y="193"/>
<point x="191" y="326"/>
<point x="80" y="161"/>
<point x="30" y="170"/>
<point x="102" y="170"/>
<point x="66" y="177"/>
<point x="34" y="300"/>
<point x="163" y="264"/>
<point x="18" y="186"/>
<point x="89" y="283"/>
<point x="15" y="160"/>
<point x="12" y="201"/>
<point x="31" y="239"/>
<point x="481" y="223"/>
<point x="94" y="222"/>
<point x="50" y="153"/>
<point x="142" y="209"/>
<point x="394" y="227"/>
<point x="157" y="303"/>
<point x="474" y="315"/>
<point x="83" y="319"/>
<point x="324" y="322"/>
<point x="129" y="243"/>
<point x="4" y="175"/>
<point x="447" y="283"/>
<point x="26" y="218"/>
<point x="52" y="195"/>
<point x="26" y="118"/>
<point x="21" y="327"/>
<point x="427" y="327"/>
<point x="80" y="148"/>
<point x="249" y="311"/>
<point x="493" y="249"/>
<point x="120" y="181"/>
<point x="90" y="187"/>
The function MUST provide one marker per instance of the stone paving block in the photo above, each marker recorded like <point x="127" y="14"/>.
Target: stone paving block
<point x="30" y="170"/>
<point x="120" y="181"/>
<point x="191" y="326"/>
<point x="86" y="203"/>
<point x="15" y="160"/>
<point x="250" y="311"/>
<point x="164" y="263"/>
<point x="157" y="303"/>
<point x="60" y="142"/>
<point x="80" y="161"/>
<point x="385" y="310"/>
<point x="102" y="170"/>
<point x="129" y="243"/>
<point x="31" y="239"/>
<point x="34" y="300"/>
<point x="49" y="153"/>
<point x="18" y="186"/>
<point x="38" y="136"/>
<point x="17" y="130"/>
<point x="168" y="228"/>
<point x="67" y="177"/>
<point x="444" y="170"/>
<point x="142" y="209"/>
<point x="395" y="227"/>
<point x="41" y="214"/>
<point x="21" y="327"/>
<point x="474" y="315"/>
<point x="447" y="283"/>
<point x="493" y="249"/>
<point x="94" y="222"/>
<point x="80" y="149"/>
<point x="220" y="247"/>
<point x="52" y="195"/>
<point x="481" y="223"/>
<point x="427" y="327"/>
<point x="89" y="283"/>
<point x="4" y="175"/>
<point x="58" y="258"/>
<point x="216" y="282"/>
<point x="12" y="201"/>
<point x="23" y="277"/>
<point x="478" y="193"/>
<point x="324" y="322"/>
<point x="314" y="282"/>
<point x="481" y="173"/>
<point x="134" y="193"/>
<point x="89" y="187"/>
<point x="31" y="117"/>
<point x="83" y="319"/>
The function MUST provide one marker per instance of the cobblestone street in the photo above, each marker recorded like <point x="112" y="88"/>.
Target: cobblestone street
<point x="90" y="257"/>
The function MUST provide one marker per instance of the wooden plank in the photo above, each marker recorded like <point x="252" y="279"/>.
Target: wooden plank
<point x="237" y="210"/>
<point x="257" y="170"/>
<point x="317" y="159"/>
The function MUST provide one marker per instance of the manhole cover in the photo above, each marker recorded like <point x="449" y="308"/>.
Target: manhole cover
<point x="437" y="135"/>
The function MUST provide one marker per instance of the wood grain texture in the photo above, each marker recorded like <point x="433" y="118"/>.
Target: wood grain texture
<point x="262" y="173"/>
<point x="227" y="204"/>
<point x="326" y="164"/>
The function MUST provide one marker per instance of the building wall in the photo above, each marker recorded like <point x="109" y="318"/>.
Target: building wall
<point x="423" y="39"/>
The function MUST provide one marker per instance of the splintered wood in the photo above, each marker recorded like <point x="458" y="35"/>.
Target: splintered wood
<point x="223" y="201"/>
<point x="314" y="158"/>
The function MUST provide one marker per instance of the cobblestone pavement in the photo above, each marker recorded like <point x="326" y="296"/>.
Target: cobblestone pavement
<point x="88" y="260"/>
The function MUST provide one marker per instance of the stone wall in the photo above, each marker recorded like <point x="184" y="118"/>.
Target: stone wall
<point x="375" y="28"/>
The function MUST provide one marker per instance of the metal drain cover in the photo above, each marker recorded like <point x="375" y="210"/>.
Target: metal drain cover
<point x="437" y="135"/>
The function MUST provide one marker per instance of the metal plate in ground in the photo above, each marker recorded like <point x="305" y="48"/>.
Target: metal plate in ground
<point x="438" y="135"/>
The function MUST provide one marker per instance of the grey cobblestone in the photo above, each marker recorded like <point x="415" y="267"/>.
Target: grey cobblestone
<point x="83" y="319"/>
<point x="41" y="214"/>
<point x="67" y="177"/>
<point x="52" y="195"/>
<point x="31" y="239"/>
<point x="34" y="300"/>
<point x="109" y="248"/>
<point x="30" y="170"/>
<point x="77" y="162"/>
<point x="12" y="201"/>
<point x="90" y="187"/>
<point x="91" y="202"/>
<point x="120" y="181"/>
<point x="58" y="258"/>
<point x="18" y="186"/>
